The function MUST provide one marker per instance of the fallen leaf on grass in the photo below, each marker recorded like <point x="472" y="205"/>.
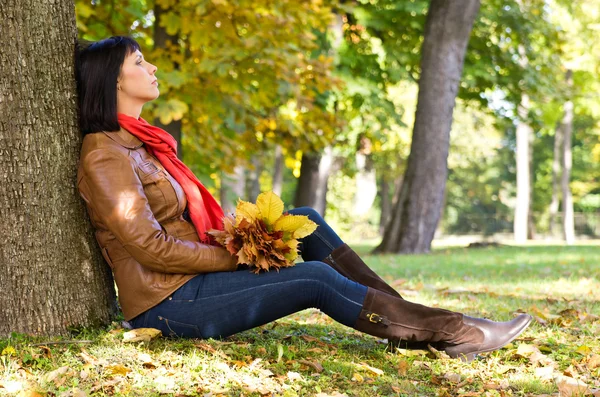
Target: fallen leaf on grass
<point x="117" y="369"/>
<point x="357" y="377"/>
<point x="570" y="387"/>
<point x="29" y="393"/>
<point x="411" y="353"/>
<point x="141" y="335"/>
<point x="53" y="376"/>
<point x="313" y="364"/>
<point x="452" y="377"/>
<point x="294" y="376"/>
<point x="544" y="372"/>
<point x="373" y="370"/>
<point x="208" y="348"/>
<point x="403" y="367"/>
<point x="593" y="361"/>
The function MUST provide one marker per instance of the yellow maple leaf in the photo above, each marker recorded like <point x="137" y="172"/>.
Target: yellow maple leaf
<point x="305" y="230"/>
<point x="246" y="210"/>
<point x="270" y="207"/>
<point x="290" y="223"/>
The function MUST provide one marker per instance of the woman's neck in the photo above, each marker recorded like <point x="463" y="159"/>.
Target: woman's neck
<point x="130" y="109"/>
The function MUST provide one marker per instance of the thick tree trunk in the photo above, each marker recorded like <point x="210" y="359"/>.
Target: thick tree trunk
<point x="524" y="133"/>
<point x="278" y="171"/>
<point x="556" y="170"/>
<point x="417" y="213"/>
<point x="161" y="38"/>
<point x="311" y="189"/>
<point x="567" y="162"/>
<point x="52" y="275"/>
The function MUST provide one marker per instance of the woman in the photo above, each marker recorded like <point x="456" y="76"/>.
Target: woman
<point x="151" y="215"/>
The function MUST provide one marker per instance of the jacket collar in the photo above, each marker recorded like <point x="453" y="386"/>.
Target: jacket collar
<point x="125" y="139"/>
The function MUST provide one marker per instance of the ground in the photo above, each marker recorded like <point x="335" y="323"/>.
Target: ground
<point x="309" y="354"/>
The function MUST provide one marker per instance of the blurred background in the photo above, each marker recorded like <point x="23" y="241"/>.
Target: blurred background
<point x="316" y="100"/>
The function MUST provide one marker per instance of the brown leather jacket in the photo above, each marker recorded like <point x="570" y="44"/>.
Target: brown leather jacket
<point x="136" y="208"/>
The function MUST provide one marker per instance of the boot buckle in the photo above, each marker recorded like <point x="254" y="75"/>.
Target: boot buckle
<point x="374" y="318"/>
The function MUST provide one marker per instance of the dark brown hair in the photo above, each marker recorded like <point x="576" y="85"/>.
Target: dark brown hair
<point x="97" y="66"/>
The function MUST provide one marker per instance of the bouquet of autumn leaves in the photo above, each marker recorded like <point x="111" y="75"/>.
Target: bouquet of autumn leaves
<point x="261" y="235"/>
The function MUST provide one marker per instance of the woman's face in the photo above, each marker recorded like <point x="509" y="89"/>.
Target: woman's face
<point x="137" y="83"/>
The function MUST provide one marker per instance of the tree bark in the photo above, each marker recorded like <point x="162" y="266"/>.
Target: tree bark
<point x="278" y="171"/>
<point x="524" y="133"/>
<point x="161" y="38"/>
<point x="254" y="178"/>
<point x="567" y="162"/>
<point x="311" y="190"/>
<point x="366" y="181"/>
<point x="556" y="170"/>
<point x="232" y="188"/>
<point x="417" y="212"/>
<point x="52" y="275"/>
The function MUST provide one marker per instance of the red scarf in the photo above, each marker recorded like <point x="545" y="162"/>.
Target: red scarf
<point x="204" y="210"/>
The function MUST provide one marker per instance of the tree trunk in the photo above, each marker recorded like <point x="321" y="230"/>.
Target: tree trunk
<point x="311" y="190"/>
<point x="52" y="275"/>
<point x="278" y="171"/>
<point x="254" y="178"/>
<point x="567" y="128"/>
<point x="161" y="38"/>
<point x="524" y="133"/>
<point x="386" y="202"/>
<point x="530" y="218"/>
<point x="417" y="213"/>
<point x="232" y="188"/>
<point x="366" y="181"/>
<point x="556" y="169"/>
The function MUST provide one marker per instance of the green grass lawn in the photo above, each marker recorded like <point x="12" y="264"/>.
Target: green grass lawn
<point x="309" y="354"/>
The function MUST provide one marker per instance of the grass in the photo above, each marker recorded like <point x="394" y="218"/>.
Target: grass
<point x="309" y="354"/>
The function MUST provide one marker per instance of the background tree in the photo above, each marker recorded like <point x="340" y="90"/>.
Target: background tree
<point x="418" y="209"/>
<point x="52" y="277"/>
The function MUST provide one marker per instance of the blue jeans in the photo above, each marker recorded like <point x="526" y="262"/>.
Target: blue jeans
<point x="216" y="305"/>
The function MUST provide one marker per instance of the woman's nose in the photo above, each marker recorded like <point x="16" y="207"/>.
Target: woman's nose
<point x="153" y="69"/>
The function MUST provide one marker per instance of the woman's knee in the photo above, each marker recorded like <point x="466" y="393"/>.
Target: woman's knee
<point x="320" y="271"/>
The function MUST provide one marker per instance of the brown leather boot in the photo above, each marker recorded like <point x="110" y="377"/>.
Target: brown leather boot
<point x="460" y="336"/>
<point x="350" y="265"/>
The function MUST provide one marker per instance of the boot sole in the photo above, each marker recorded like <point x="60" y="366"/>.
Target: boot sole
<point x="468" y="357"/>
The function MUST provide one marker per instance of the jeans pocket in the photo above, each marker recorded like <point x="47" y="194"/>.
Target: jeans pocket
<point x="176" y="329"/>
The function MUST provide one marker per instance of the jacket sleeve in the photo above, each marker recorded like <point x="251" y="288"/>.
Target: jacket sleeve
<point x="118" y="200"/>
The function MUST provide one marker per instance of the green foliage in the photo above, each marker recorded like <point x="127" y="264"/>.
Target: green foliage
<point x="243" y="76"/>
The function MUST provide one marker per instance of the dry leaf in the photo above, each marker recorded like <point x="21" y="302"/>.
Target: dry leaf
<point x="117" y="369"/>
<point x="52" y="376"/>
<point x="403" y="367"/>
<point x="358" y="377"/>
<point x="29" y="393"/>
<point x="411" y="353"/>
<point x="570" y="387"/>
<point x="313" y="364"/>
<point x="452" y="377"/>
<point x="294" y="376"/>
<point x="141" y="334"/>
<point x="593" y="361"/>
<point x="373" y="370"/>
<point x="544" y="372"/>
